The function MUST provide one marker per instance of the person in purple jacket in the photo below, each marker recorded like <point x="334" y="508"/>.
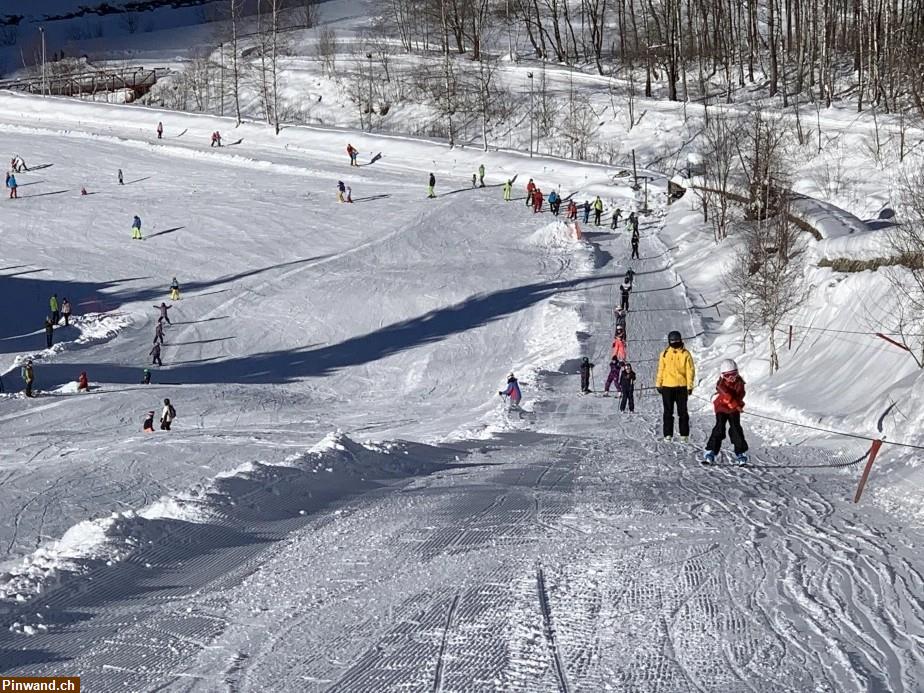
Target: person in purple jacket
<point x="512" y="391"/>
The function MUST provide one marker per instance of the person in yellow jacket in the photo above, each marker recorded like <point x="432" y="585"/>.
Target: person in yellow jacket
<point x="675" y="383"/>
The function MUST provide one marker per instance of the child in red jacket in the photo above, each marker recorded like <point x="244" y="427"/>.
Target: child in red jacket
<point x="728" y="405"/>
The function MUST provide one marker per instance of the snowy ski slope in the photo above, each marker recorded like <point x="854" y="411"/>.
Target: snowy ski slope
<point x="570" y="550"/>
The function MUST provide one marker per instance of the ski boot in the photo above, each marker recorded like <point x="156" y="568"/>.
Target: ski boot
<point x="684" y="439"/>
<point x="668" y="439"/>
<point x="741" y="458"/>
<point x="708" y="458"/>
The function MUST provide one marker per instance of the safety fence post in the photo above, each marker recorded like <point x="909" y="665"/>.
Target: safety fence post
<point x="873" y="451"/>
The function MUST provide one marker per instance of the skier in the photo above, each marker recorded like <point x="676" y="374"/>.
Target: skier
<point x="28" y="376"/>
<point x="613" y="377"/>
<point x="432" y="185"/>
<point x="586" y="210"/>
<point x="572" y="210"/>
<point x="160" y="130"/>
<point x="586" y="369"/>
<point x="481" y="176"/>
<point x="474" y="180"/>
<point x="530" y="189"/>
<point x="598" y="210"/>
<point x="148" y="425"/>
<point x="349" y="194"/>
<point x="512" y="391"/>
<point x="66" y="311"/>
<point x="83" y="191"/>
<point x="675" y="383"/>
<point x="83" y="384"/>
<point x="216" y="139"/>
<point x="136" y="228"/>
<point x="121" y="180"/>
<point x="341" y="189"/>
<point x="728" y="405"/>
<point x="154" y="353"/>
<point x="635" y="239"/>
<point x="49" y="333"/>
<point x="624" y="290"/>
<point x="163" y="308"/>
<point x="7" y="179"/>
<point x="167" y="415"/>
<point x="159" y="331"/>
<point x="619" y="315"/>
<point x="53" y="306"/>
<point x="352" y="153"/>
<point x="630" y="277"/>
<point x="620" y="352"/>
<point x="537" y="200"/>
<point x="12" y="185"/>
<point x="146" y="380"/>
<point x="627" y="387"/>
<point x="616" y="215"/>
<point x="508" y="189"/>
<point x="174" y="290"/>
<point x="632" y="222"/>
<point x="554" y="202"/>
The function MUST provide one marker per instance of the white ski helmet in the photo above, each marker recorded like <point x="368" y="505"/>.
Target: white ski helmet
<point x="728" y="366"/>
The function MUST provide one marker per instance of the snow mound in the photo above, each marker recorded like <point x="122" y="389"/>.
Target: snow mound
<point x="334" y="468"/>
<point x="558" y="234"/>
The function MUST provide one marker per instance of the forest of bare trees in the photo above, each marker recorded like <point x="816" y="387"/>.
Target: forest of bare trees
<point x="868" y="51"/>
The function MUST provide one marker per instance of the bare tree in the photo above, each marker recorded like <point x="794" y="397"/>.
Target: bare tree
<point x="907" y="244"/>
<point x="327" y="50"/>
<point x="720" y="145"/>
<point x="235" y="7"/>
<point x="766" y="280"/>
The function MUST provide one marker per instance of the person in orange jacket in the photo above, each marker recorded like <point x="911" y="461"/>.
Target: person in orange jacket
<point x="530" y="189"/>
<point x="83" y="385"/>
<point x="728" y="405"/>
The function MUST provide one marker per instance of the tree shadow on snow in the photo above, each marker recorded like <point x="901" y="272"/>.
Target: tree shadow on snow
<point x="280" y="367"/>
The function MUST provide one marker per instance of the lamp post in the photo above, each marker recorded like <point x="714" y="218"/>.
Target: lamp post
<point x="42" y="32"/>
<point x="530" y="75"/>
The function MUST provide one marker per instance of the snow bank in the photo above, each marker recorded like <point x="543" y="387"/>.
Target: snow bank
<point x="333" y="468"/>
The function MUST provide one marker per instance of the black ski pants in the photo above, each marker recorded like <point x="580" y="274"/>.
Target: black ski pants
<point x="734" y="432"/>
<point x="624" y="302"/>
<point x="28" y="388"/>
<point x="635" y="251"/>
<point x="49" y="338"/>
<point x="585" y="380"/>
<point x="628" y="397"/>
<point x="597" y="213"/>
<point x="671" y="397"/>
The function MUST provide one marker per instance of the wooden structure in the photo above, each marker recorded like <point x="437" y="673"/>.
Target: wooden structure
<point x="135" y="80"/>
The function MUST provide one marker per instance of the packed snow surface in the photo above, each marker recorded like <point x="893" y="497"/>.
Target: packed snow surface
<point x="344" y="503"/>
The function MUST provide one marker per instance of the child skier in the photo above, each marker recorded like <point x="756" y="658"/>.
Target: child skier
<point x="613" y="377"/>
<point x="619" y="315"/>
<point x="136" y="228"/>
<point x="341" y="190"/>
<point x="53" y="307"/>
<point x="83" y="384"/>
<point x="148" y="425"/>
<point x="160" y="130"/>
<point x="163" y="308"/>
<point x="617" y="213"/>
<point x="28" y="377"/>
<point x="121" y="179"/>
<point x="620" y="352"/>
<point x="728" y="405"/>
<point x="174" y="290"/>
<point x="537" y="200"/>
<point x="508" y="189"/>
<point x="554" y="202"/>
<point x="586" y="369"/>
<point x="154" y="353"/>
<point x="624" y="290"/>
<point x="627" y="388"/>
<point x="572" y="210"/>
<point x="159" y="331"/>
<point x="431" y="187"/>
<point x="146" y="380"/>
<point x="49" y="333"/>
<point x="586" y="210"/>
<point x="530" y="190"/>
<point x="512" y="391"/>
<point x="635" y="240"/>
<point x="12" y="185"/>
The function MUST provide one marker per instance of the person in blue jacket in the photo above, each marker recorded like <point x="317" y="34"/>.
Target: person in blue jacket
<point x="512" y="391"/>
<point x="554" y="202"/>
<point x="136" y="228"/>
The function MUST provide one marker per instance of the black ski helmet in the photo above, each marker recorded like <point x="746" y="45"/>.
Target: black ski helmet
<point x="674" y="338"/>
<point x="585" y="360"/>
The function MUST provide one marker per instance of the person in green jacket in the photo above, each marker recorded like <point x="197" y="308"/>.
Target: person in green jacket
<point x="53" y="306"/>
<point x="508" y="189"/>
<point x="481" y="176"/>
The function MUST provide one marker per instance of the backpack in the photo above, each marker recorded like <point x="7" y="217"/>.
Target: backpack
<point x="172" y="412"/>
